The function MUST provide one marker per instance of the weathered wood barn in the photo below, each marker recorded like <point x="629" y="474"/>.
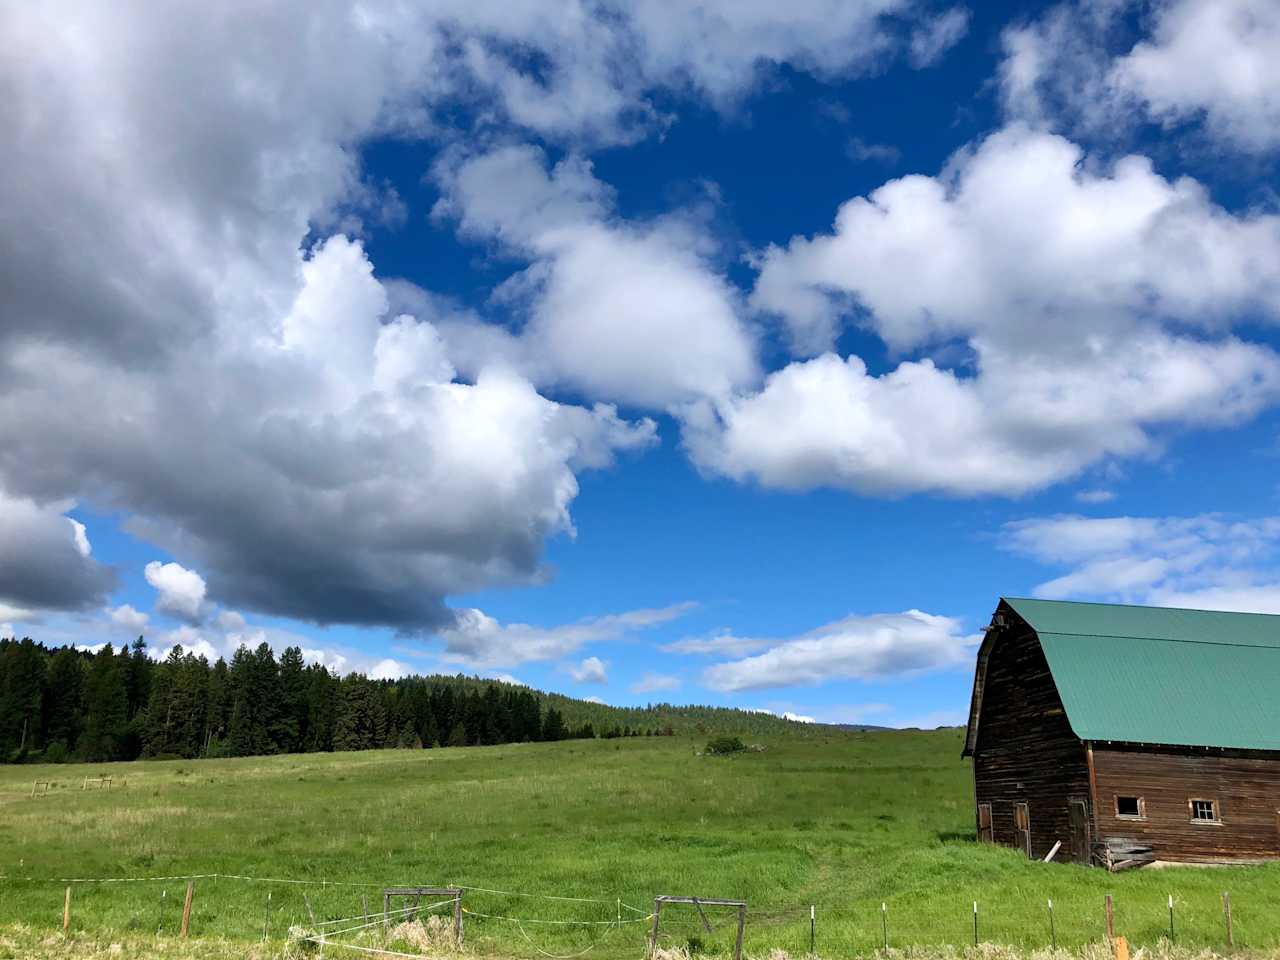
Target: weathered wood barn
<point x="1130" y="734"/>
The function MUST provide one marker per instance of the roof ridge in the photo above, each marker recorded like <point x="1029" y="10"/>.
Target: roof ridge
<point x="1143" y="606"/>
<point x="1128" y="636"/>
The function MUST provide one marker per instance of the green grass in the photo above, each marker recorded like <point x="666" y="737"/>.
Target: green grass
<point x="845" y="823"/>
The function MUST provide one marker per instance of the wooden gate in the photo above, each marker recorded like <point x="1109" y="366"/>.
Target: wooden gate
<point x="1079" y="830"/>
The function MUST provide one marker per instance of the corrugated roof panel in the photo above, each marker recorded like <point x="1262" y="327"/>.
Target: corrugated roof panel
<point x="1144" y="690"/>
<point x="1163" y="623"/>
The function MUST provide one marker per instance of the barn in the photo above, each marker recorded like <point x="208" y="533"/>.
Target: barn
<point x="1127" y="734"/>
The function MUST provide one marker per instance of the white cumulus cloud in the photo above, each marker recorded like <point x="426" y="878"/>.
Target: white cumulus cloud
<point x="590" y="670"/>
<point x="179" y="591"/>
<point x="476" y="639"/>
<point x="1210" y="561"/>
<point x="1051" y="300"/>
<point x="872" y="647"/>
<point x="625" y="311"/>
<point x="1213" y="64"/>
<point x="126" y="617"/>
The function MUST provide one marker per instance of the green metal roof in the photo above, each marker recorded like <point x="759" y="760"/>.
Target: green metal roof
<point x="1161" y="675"/>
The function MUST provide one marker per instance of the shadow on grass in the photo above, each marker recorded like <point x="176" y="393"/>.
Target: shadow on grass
<point x="956" y="836"/>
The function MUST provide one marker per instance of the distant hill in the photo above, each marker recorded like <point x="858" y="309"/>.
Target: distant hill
<point x="688" y="719"/>
<point x="60" y="704"/>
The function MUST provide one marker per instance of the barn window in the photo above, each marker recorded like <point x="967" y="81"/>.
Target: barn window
<point x="1206" y="811"/>
<point x="1134" y="808"/>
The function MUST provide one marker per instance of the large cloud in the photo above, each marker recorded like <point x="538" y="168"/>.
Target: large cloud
<point x="1025" y="241"/>
<point x="1057" y="298"/>
<point x="1020" y="423"/>
<point x="176" y="345"/>
<point x="1216" y="64"/>
<point x="46" y="561"/>
<point x="326" y="469"/>
<point x="628" y="312"/>
<point x="874" y="647"/>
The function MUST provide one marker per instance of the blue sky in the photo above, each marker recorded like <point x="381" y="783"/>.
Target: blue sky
<point x="726" y="355"/>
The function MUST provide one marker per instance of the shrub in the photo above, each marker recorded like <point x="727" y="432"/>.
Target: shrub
<point x="56" y="752"/>
<point x="722" y="746"/>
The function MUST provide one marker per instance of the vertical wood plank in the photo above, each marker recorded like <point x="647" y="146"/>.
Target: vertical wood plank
<point x="742" y="923"/>
<point x="1111" y="929"/>
<point x="66" y="913"/>
<point x="186" y="908"/>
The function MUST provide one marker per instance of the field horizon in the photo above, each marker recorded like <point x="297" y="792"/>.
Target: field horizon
<point x="555" y="842"/>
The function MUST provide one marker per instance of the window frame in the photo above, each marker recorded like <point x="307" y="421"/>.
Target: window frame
<point x="1214" y="808"/>
<point x="1141" y="803"/>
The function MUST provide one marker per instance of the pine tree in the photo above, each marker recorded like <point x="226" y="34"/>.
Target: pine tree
<point x="137" y="679"/>
<point x="408" y="736"/>
<point x="63" y="706"/>
<point x="108" y="708"/>
<point x="457" y="736"/>
<point x="20" y="699"/>
<point x="430" y="733"/>
<point x="292" y="724"/>
<point x="553" y="726"/>
<point x="361" y="722"/>
<point x="246" y="734"/>
<point x="218" y="714"/>
<point x="266" y="697"/>
<point x="322" y="702"/>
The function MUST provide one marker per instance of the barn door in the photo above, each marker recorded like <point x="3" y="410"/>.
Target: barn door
<point x="1079" y="831"/>
<point x="984" y="823"/>
<point x="1022" y="826"/>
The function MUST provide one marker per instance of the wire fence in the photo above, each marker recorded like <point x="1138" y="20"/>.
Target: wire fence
<point x="860" y="928"/>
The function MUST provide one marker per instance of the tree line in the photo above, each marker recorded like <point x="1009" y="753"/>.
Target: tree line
<point x="68" y="704"/>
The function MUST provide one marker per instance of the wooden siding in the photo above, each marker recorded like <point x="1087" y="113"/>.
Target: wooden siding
<point x="1245" y="786"/>
<point x="1025" y="750"/>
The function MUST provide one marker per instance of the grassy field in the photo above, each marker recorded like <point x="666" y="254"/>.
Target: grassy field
<point x="844" y="823"/>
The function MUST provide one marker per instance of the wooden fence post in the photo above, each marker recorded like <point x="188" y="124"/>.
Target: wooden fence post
<point x="66" y="913"/>
<point x="1226" y="910"/>
<point x="653" y="934"/>
<point x="186" y="909"/>
<point x="1111" y="928"/>
<point x="457" y="918"/>
<point x="742" y="922"/>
